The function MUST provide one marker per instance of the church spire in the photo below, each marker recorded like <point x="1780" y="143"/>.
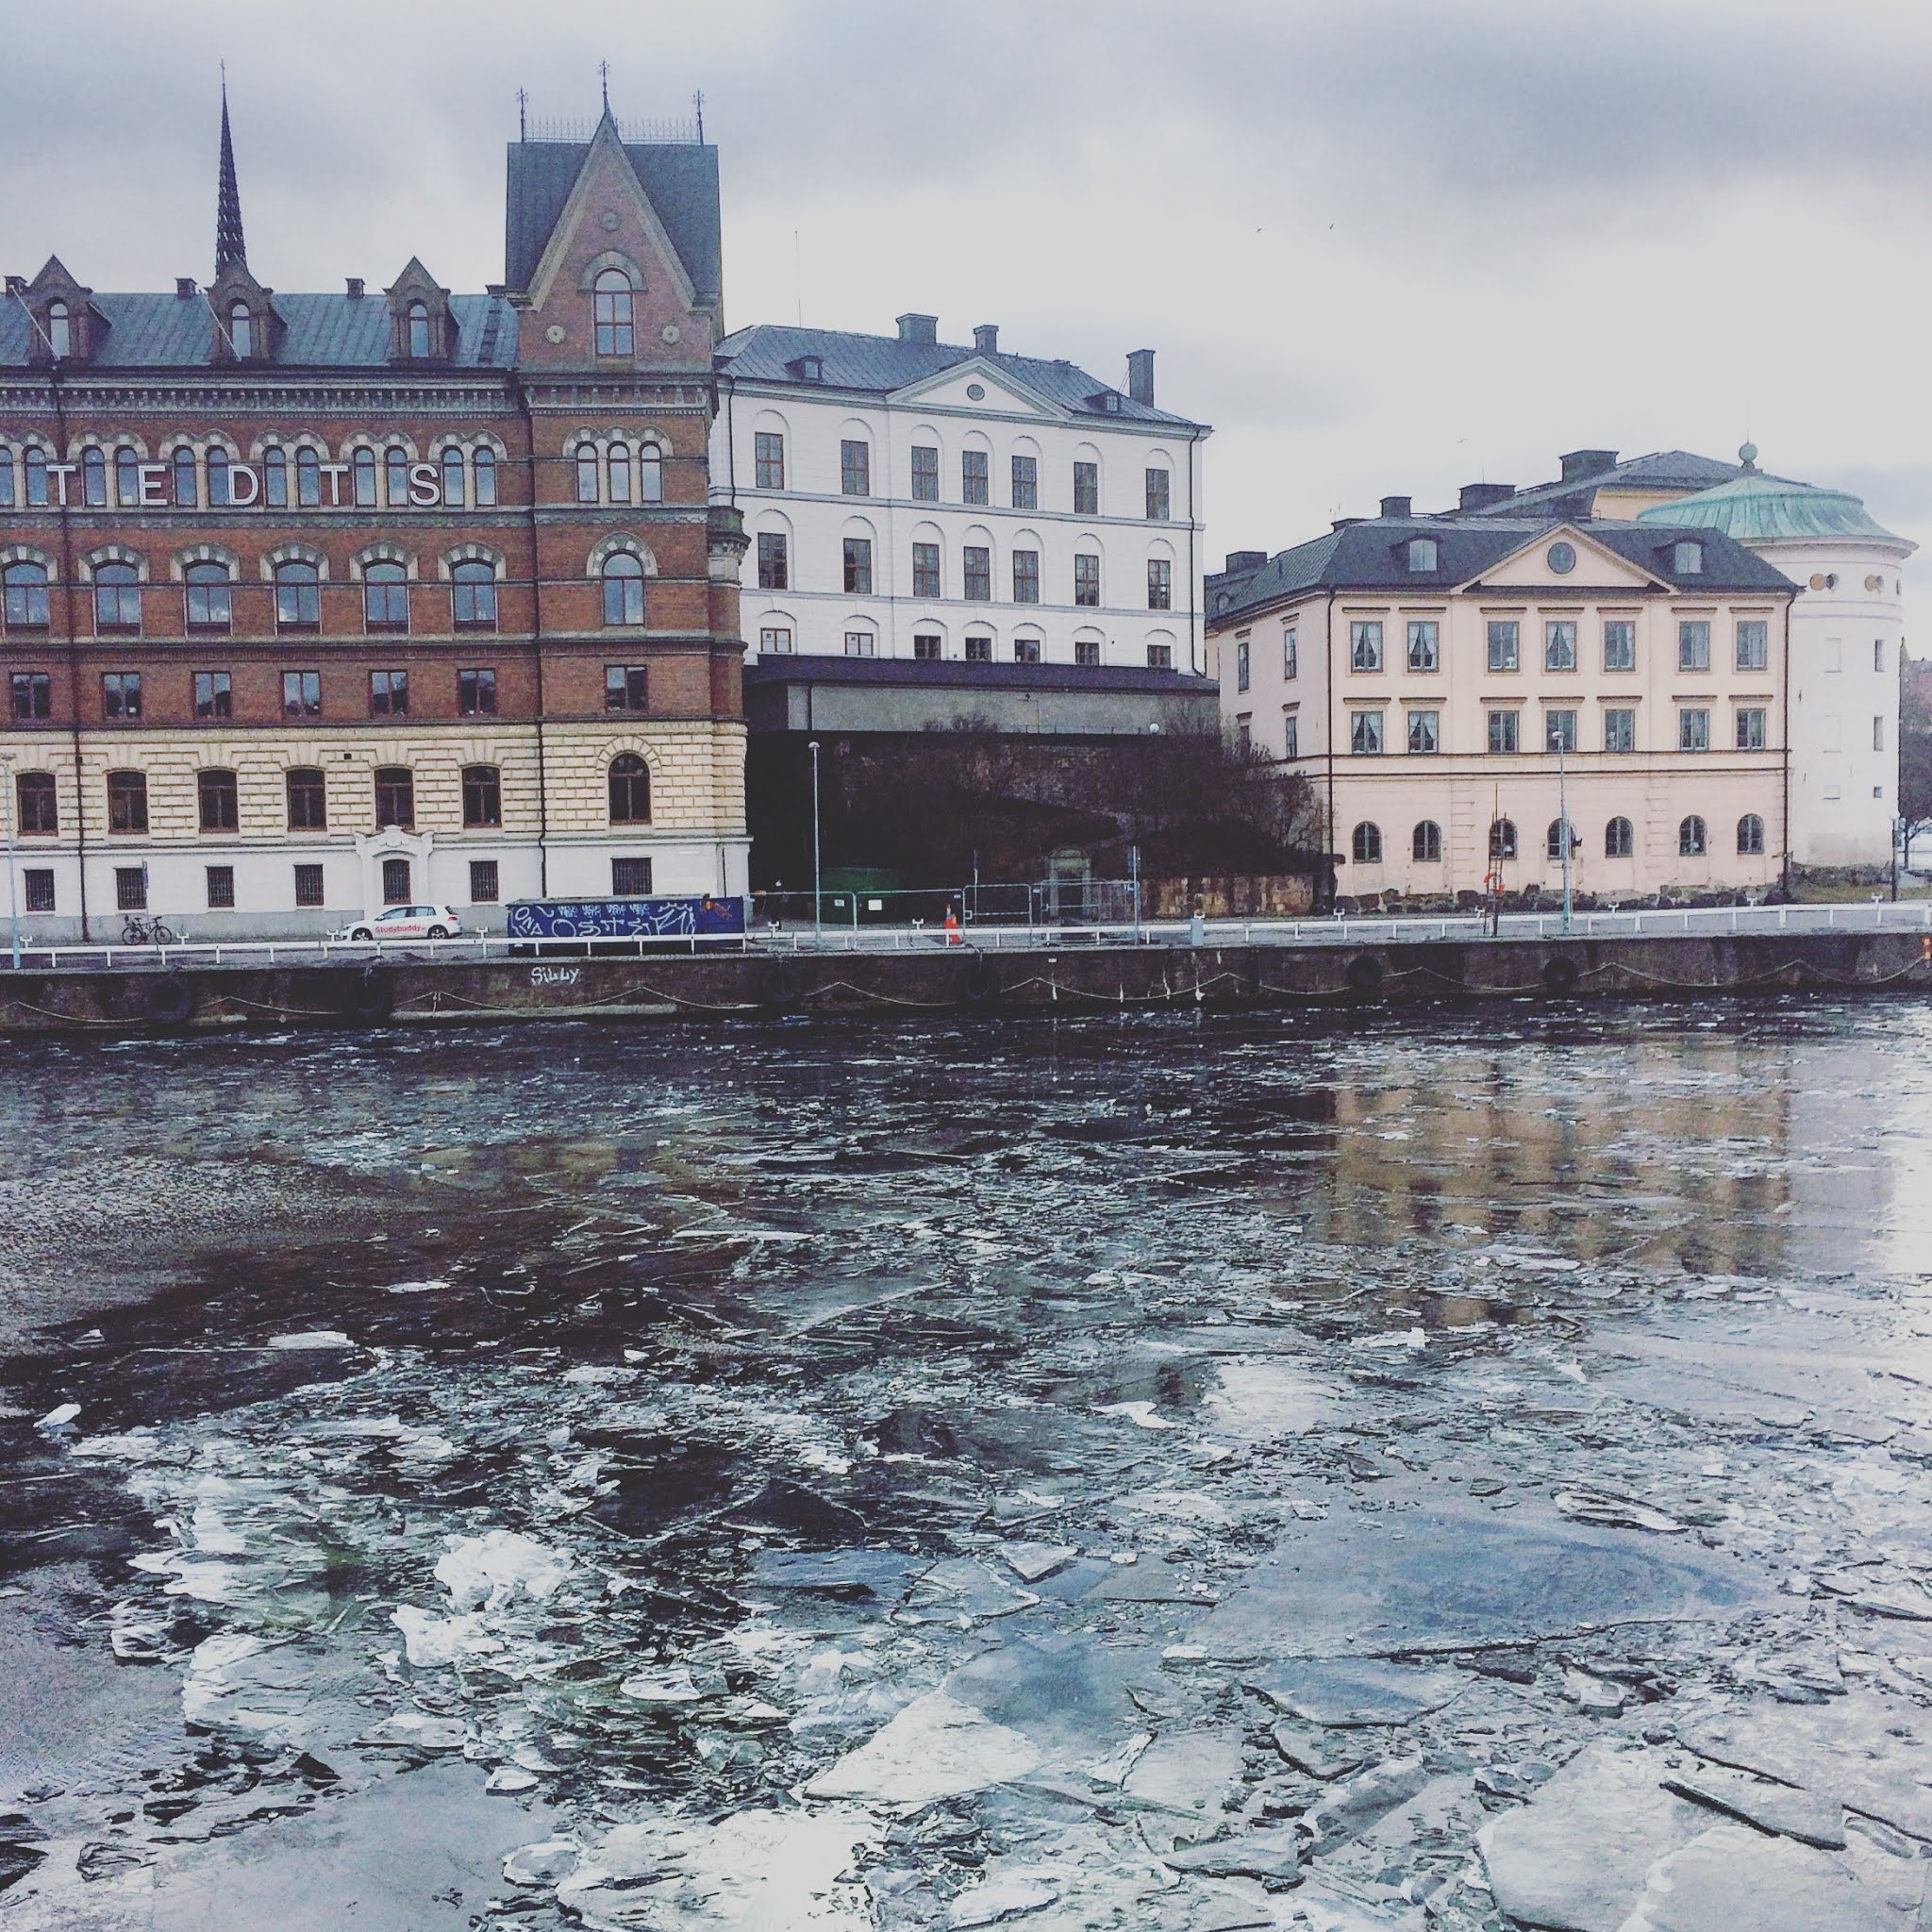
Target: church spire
<point x="230" y="250"/>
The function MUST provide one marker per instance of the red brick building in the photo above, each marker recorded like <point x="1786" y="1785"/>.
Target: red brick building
<point x="314" y="603"/>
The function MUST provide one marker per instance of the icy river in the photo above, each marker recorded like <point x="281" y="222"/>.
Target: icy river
<point x="1447" y="1472"/>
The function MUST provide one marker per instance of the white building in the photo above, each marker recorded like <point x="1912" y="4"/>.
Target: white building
<point x="913" y="499"/>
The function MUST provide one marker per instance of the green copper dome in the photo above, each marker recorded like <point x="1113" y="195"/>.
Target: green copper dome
<point x="1757" y="509"/>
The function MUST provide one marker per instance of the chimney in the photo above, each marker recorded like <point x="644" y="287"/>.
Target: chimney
<point x="1586" y="462"/>
<point x="184" y="287"/>
<point x="1481" y="495"/>
<point x="919" y="328"/>
<point x="354" y="288"/>
<point x="1396" y="508"/>
<point x="1141" y="375"/>
<point x="16" y="285"/>
<point x="986" y="339"/>
<point x="1238" y="561"/>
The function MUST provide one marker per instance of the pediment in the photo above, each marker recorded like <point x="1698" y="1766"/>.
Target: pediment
<point x="1598" y="567"/>
<point x="416" y="280"/>
<point x="1004" y="395"/>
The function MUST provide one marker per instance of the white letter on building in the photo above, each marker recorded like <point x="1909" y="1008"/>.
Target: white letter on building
<point x="240" y="474"/>
<point x="335" y="473"/>
<point x="154" y="485"/>
<point x="61" y="472"/>
<point x="426" y="492"/>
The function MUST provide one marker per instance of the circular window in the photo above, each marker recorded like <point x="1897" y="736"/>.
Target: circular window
<point x="976" y="392"/>
<point x="1818" y="580"/>
<point x="1561" y="558"/>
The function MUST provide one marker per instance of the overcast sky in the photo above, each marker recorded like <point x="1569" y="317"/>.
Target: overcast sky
<point x="1381" y="247"/>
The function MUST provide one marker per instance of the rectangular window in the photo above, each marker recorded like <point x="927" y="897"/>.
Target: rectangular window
<point x="926" y="648"/>
<point x="221" y="888"/>
<point x="483" y="888"/>
<point x="1620" y="643"/>
<point x="1559" y="731"/>
<point x="389" y="693"/>
<point x="1157" y="496"/>
<point x="220" y="810"/>
<point x="1026" y="650"/>
<point x="776" y="640"/>
<point x="926" y="570"/>
<point x="625" y="687"/>
<point x="1026" y="576"/>
<point x="1086" y="582"/>
<point x="1505" y="643"/>
<point x="395" y="882"/>
<point x="769" y="452"/>
<point x="1291" y="737"/>
<point x="308" y="885"/>
<point x="855" y="468"/>
<point x="1559" y="643"/>
<point x="308" y="800"/>
<point x="1244" y="735"/>
<point x="861" y="643"/>
<point x="1086" y="490"/>
<point x="214" y="696"/>
<point x="774" y="565"/>
<point x="1365" y="644"/>
<point x="1694" y="644"/>
<point x="974" y="484"/>
<point x="1160" y="584"/>
<point x="476" y="693"/>
<point x="396" y="798"/>
<point x="1878" y="734"/>
<point x="121" y="694"/>
<point x="39" y="889"/>
<point x="1087" y="651"/>
<point x="925" y="474"/>
<point x="301" y="694"/>
<point x="1161" y="657"/>
<point x="979" y="650"/>
<point x="630" y="879"/>
<point x="1424" y="732"/>
<point x="130" y="888"/>
<point x="1754" y="644"/>
<point x="978" y="574"/>
<point x="858" y="566"/>
<point x="1834" y="654"/>
<point x="1423" y="644"/>
<point x="1365" y="733"/>
<point x="33" y="695"/>
<point x="1288" y="653"/>
<point x="1749" y="727"/>
<point x="1241" y="664"/>
<point x="127" y="801"/>
<point x="1503" y="731"/>
<point x="482" y="795"/>
<point x="1693" y="728"/>
<point x="1025" y="482"/>
<point x="1877" y="655"/>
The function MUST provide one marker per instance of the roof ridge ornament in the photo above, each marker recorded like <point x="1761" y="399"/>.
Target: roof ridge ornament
<point x="1747" y="455"/>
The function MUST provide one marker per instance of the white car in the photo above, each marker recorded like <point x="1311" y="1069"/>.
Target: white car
<point x="405" y="923"/>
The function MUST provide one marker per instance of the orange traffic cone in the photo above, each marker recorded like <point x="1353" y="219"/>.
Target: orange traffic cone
<point x="953" y="936"/>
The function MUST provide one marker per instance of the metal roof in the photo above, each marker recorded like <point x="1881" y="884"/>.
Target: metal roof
<point x="881" y="365"/>
<point x="1667" y="469"/>
<point x="1757" y="509"/>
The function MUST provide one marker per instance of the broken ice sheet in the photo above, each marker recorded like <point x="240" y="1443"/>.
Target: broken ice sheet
<point x="1345" y="1691"/>
<point x="1768" y="1804"/>
<point x="1733" y="1879"/>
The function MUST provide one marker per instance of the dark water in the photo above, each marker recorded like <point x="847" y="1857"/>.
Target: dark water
<point x="862" y="1477"/>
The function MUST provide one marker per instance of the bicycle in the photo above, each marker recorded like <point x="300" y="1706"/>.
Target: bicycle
<point x="149" y="932"/>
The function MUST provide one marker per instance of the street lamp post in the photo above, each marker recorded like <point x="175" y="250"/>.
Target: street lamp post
<point x="817" y="898"/>
<point x="1563" y="814"/>
<point x="13" y="876"/>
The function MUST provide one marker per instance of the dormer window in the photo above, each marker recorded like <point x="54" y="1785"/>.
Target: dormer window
<point x="59" y="330"/>
<point x="1421" y="553"/>
<point x="613" y="306"/>
<point x="809" y="369"/>
<point x="419" y="330"/>
<point x="1688" y="559"/>
<point x="240" y="331"/>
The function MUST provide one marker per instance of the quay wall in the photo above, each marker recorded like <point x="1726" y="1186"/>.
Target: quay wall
<point x="1066" y="981"/>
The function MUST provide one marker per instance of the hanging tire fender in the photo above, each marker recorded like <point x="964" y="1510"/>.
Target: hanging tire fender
<point x="168" y="1000"/>
<point x="782" y="985"/>
<point x="1364" y="975"/>
<point x="977" y="984"/>
<point x="369" y="996"/>
<point x="1561" y="975"/>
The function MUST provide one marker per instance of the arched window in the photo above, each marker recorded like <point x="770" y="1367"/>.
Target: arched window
<point x="117" y="597"/>
<point x="362" y="475"/>
<point x="587" y="474"/>
<point x="127" y="477"/>
<point x="40" y="805"/>
<point x="127" y="801"/>
<point x="93" y="478"/>
<point x="1368" y="844"/>
<point x="215" y="790"/>
<point x="650" y="474"/>
<point x="1554" y="838"/>
<point x="1503" y="839"/>
<point x="1751" y="833"/>
<point x="26" y="596"/>
<point x="473" y="596"/>
<point x="187" y="493"/>
<point x="1427" y="842"/>
<point x="209" y="597"/>
<point x="298" y="596"/>
<point x="620" y="472"/>
<point x="1693" y="841"/>
<point x="395" y="796"/>
<point x="631" y="789"/>
<point x="419" y="330"/>
<point x="453" y="478"/>
<point x="486" y="478"/>
<point x="386" y="597"/>
<point x="240" y="331"/>
<point x="624" y="588"/>
<point x="275" y="476"/>
<point x="217" y="478"/>
<point x="482" y="795"/>
<point x="59" y="332"/>
<point x="5" y="477"/>
<point x="308" y="478"/>
<point x="396" y="484"/>
<point x="36" y="478"/>
<point x="613" y="313"/>
<point x="1620" y="841"/>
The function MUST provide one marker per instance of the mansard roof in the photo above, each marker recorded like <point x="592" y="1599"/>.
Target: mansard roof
<point x="883" y="365"/>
